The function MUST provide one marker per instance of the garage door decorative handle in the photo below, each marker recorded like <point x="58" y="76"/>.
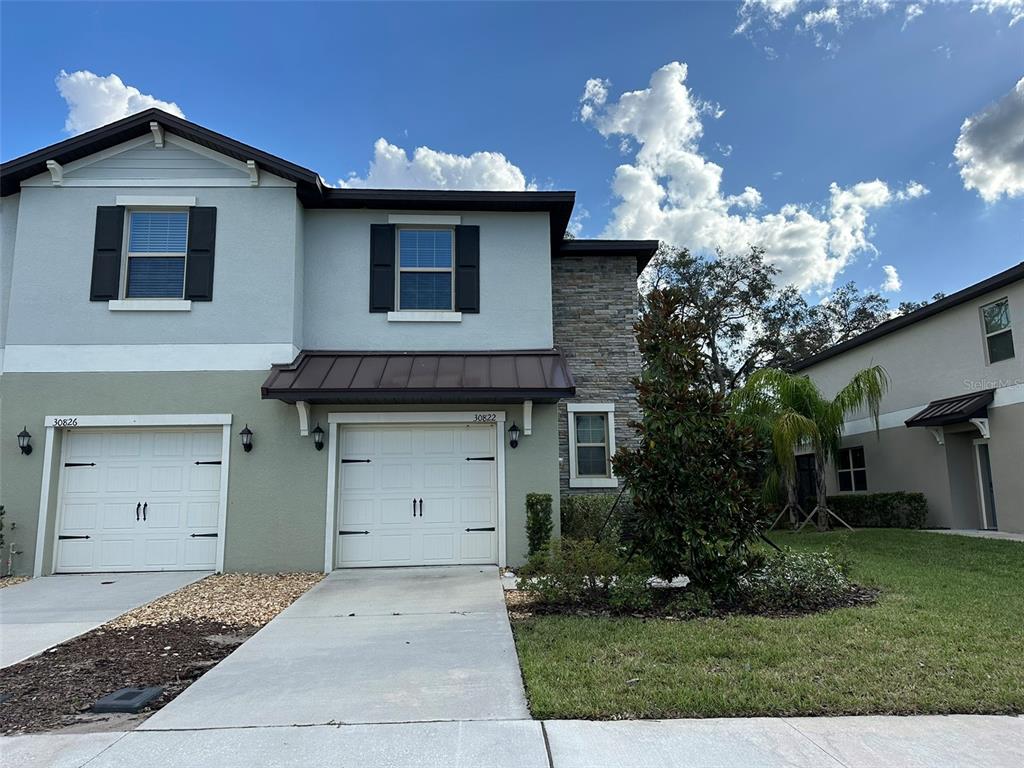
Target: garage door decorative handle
<point x="203" y="535"/>
<point x="144" y="511"/>
<point x="79" y="464"/>
<point x="352" y="533"/>
<point x="208" y="462"/>
<point x="137" y="508"/>
<point x="479" y="458"/>
<point x="421" y="507"/>
<point x="480" y="529"/>
<point x="62" y="538"/>
<point x="355" y="461"/>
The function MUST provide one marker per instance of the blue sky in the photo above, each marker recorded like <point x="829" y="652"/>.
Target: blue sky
<point x="805" y="95"/>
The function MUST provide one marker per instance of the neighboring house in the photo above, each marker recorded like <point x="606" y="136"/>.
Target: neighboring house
<point x="952" y="423"/>
<point x="187" y="320"/>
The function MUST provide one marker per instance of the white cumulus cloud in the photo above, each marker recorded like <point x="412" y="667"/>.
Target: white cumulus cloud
<point x="671" y="191"/>
<point x="892" y="283"/>
<point x="990" y="148"/>
<point x="94" y="100"/>
<point x="391" y="168"/>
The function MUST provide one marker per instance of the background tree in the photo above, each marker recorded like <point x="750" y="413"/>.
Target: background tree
<point x="801" y="413"/>
<point x="906" y="307"/>
<point x="695" y="473"/>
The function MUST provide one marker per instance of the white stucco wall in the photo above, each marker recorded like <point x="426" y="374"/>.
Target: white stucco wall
<point x="8" y="229"/>
<point x="515" y="287"/>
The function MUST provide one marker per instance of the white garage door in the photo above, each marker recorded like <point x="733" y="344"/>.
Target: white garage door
<point x="139" y="500"/>
<point x="417" y="496"/>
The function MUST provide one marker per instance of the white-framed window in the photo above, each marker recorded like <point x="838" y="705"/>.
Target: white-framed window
<point x="591" y="445"/>
<point x="852" y="469"/>
<point x="156" y="243"/>
<point x="426" y="274"/>
<point x="995" y="321"/>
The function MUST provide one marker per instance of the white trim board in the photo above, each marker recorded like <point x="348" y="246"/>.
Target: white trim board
<point x="122" y="421"/>
<point x="156" y="201"/>
<point x="116" y="358"/>
<point x="335" y="421"/>
<point x="423" y="218"/>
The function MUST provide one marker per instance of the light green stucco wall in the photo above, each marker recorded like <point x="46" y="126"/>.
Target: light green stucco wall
<point x="276" y="493"/>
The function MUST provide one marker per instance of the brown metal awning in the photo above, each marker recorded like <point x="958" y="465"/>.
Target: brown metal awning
<point x="421" y="377"/>
<point x="953" y="410"/>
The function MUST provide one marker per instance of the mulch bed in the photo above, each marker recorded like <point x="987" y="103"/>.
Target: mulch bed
<point x="523" y="605"/>
<point x="57" y="688"/>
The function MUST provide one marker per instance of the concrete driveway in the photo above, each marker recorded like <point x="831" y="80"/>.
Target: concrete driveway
<point x="41" y="613"/>
<point x="368" y="646"/>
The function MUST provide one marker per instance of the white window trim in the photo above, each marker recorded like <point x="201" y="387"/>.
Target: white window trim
<point x="401" y="314"/>
<point x="424" y="316"/>
<point x="150" y="305"/>
<point x="155" y="201"/>
<point x="591" y="482"/>
<point x="852" y="470"/>
<point x="120" y="420"/>
<point x="986" y="335"/>
<point x="435" y="220"/>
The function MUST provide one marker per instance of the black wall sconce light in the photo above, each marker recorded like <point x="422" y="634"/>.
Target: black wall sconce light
<point x="246" y="435"/>
<point x="513" y="435"/>
<point x="24" y="441"/>
<point x="318" y="437"/>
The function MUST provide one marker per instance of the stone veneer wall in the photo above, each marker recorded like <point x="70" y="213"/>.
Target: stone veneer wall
<point x="594" y="305"/>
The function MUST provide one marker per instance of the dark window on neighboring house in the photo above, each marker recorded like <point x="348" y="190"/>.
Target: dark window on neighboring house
<point x="852" y="470"/>
<point x="998" y="336"/>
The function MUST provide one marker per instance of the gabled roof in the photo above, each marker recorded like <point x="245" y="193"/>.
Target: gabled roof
<point x="311" y="190"/>
<point x="641" y="250"/>
<point x="971" y="292"/>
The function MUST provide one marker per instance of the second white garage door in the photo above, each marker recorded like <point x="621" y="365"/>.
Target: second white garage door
<point x="417" y="496"/>
<point x="139" y="500"/>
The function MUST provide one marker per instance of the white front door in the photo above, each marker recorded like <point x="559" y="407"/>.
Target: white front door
<point x="139" y="500"/>
<point x="417" y="495"/>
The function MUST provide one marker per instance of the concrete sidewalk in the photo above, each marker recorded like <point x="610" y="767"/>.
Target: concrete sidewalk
<point x="41" y="613"/>
<point x="375" y="645"/>
<point x="955" y="741"/>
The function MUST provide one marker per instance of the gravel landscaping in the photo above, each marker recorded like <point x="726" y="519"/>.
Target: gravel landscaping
<point x="170" y="643"/>
<point x="10" y="581"/>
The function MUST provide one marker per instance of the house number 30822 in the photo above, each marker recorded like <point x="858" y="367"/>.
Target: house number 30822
<point x="70" y="422"/>
<point x="485" y="417"/>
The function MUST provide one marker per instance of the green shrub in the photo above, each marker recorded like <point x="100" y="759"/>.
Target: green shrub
<point x="881" y="510"/>
<point x="538" y="521"/>
<point x="795" y="581"/>
<point x="584" y="516"/>
<point x="571" y="572"/>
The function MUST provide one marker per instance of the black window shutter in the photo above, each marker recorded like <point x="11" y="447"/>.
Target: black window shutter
<point x="467" y="269"/>
<point x="106" y="253"/>
<point x="202" y="235"/>
<point x="382" y="267"/>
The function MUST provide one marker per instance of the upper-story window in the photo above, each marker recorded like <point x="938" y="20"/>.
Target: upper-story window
<point x="425" y="269"/>
<point x="157" y="246"/>
<point x="998" y="336"/>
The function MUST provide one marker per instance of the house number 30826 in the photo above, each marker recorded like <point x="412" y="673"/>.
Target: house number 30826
<point x="70" y="422"/>
<point x="485" y="417"/>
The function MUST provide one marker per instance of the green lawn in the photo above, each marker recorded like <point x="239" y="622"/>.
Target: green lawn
<point x="946" y="636"/>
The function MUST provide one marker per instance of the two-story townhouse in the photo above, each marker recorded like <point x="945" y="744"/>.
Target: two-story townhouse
<point x="952" y="423"/>
<point x="212" y="360"/>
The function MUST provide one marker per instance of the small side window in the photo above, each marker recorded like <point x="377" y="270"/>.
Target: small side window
<point x="591" y="445"/>
<point x="995" y="319"/>
<point x="852" y="469"/>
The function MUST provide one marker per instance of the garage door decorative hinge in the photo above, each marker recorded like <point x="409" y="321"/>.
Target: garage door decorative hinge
<point x="355" y="461"/>
<point x="208" y="462"/>
<point x="203" y="535"/>
<point x="79" y="464"/>
<point x="62" y="538"/>
<point x="480" y="529"/>
<point x="479" y="458"/>
<point x="352" y="533"/>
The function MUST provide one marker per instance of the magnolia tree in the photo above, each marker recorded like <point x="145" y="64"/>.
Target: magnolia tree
<point x="695" y="473"/>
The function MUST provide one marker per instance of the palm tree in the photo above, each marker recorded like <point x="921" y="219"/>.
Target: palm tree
<point x="793" y="410"/>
